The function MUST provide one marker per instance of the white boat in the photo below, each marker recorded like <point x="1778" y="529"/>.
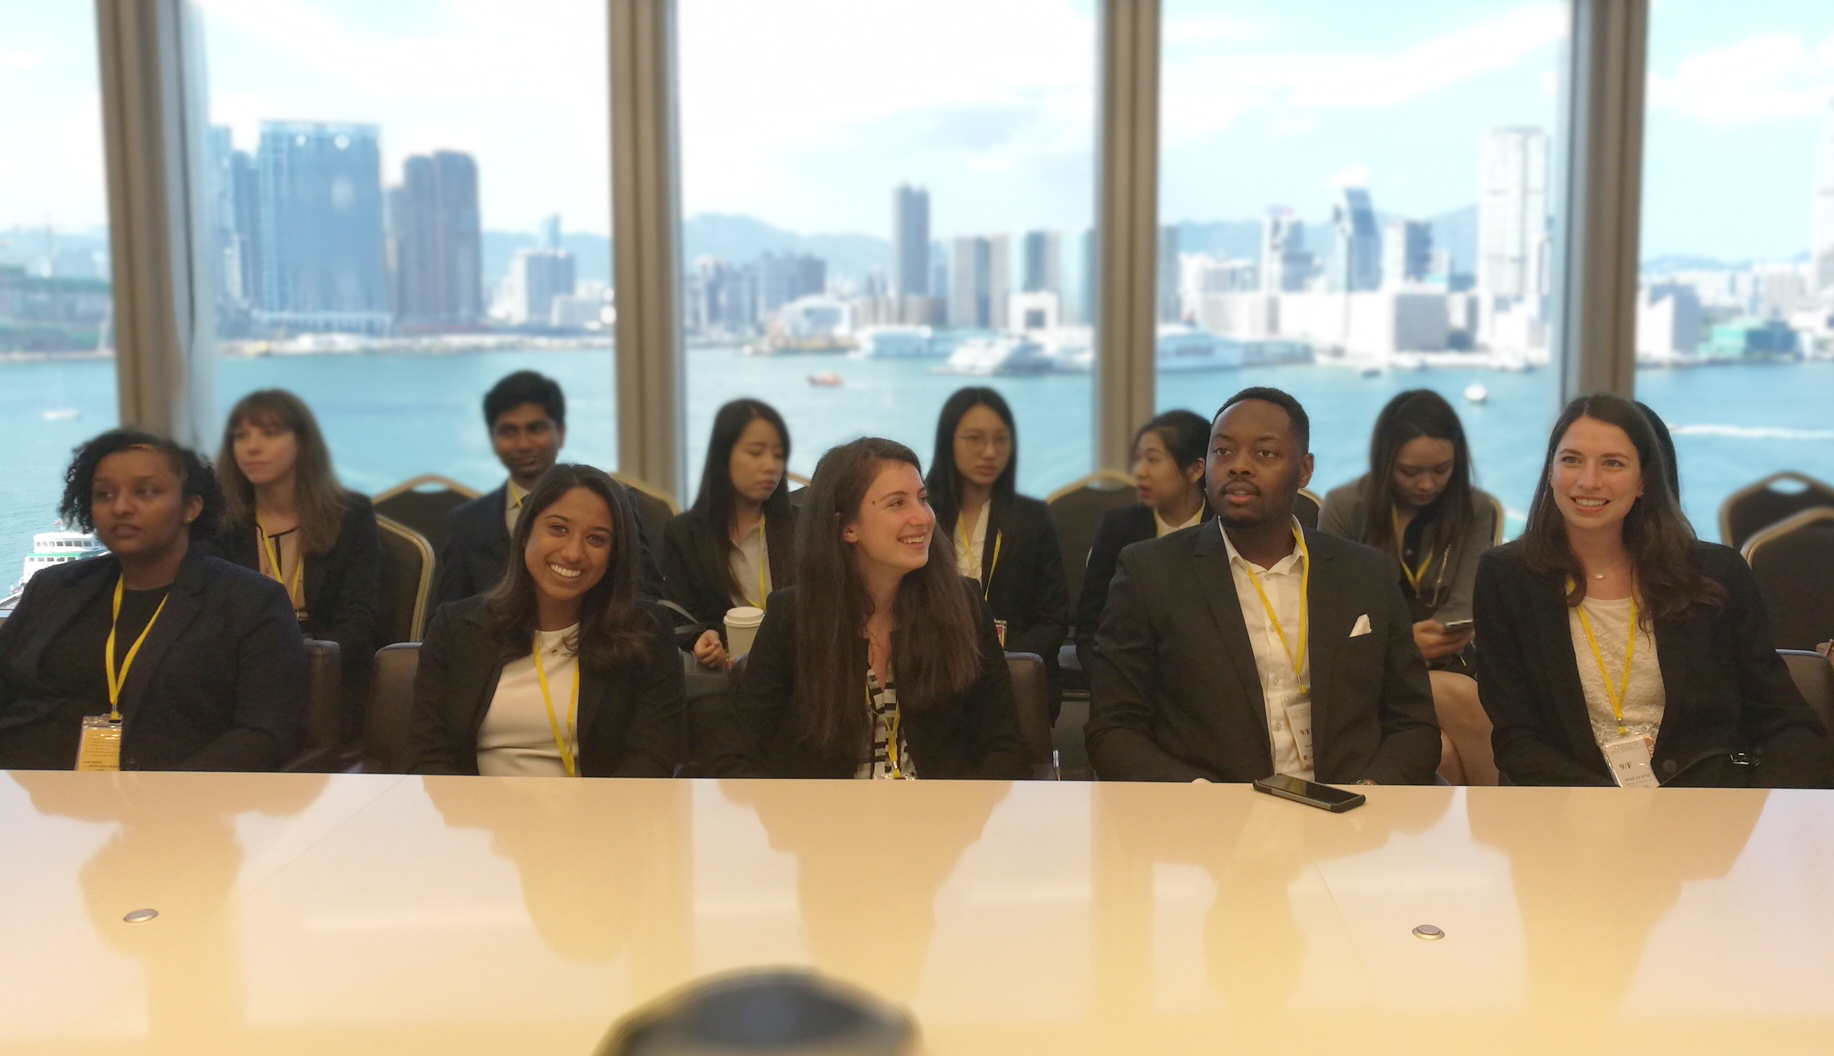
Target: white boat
<point x="1476" y="393"/>
<point x="896" y="342"/>
<point x="51" y="548"/>
<point x="1186" y="348"/>
<point x="985" y="356"/>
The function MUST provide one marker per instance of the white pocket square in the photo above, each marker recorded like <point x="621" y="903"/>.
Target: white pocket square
<point x="1362" y="626"/>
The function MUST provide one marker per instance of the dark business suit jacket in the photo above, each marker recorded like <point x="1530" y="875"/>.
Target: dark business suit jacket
<point x="1726" y="688"/>
<point x="1119" y="528"/>
<point x="974" y="733"/>
<point x="1027" y="589"/>
<point x="701" y="587"/>
<point x="343" y="588"/>
<point x="630" y="721"/>
<point x="476" y="553"/>
<point x="220" y="683"/>
<point x="1175" y="695"/>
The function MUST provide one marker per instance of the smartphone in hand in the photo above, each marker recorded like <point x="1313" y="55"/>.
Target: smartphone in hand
<point x="1311" y="793"/>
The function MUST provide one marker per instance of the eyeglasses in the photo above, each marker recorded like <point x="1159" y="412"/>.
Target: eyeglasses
<point x="977" y="441"/>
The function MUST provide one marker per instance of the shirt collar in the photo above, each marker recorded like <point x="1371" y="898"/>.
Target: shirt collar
<point x="1288" y="564"/>
<point x="514" y="495"/>
<point x="1164" y="527"/>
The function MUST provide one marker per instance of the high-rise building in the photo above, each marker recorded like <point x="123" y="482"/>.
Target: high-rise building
<point x="1166" y="289"/>
<point x="549" y="230"/>
<point x="220" y="187"/>
<point x="911" y="252"/>
<point x="436" y="242"/>
<point x="1512" y="215"/>
<point x="1285" y="264"/>
<point x="536" y="277"/>
<point x="1085" y="314"/>
<point x="1407" y="252"/>
<point x="999" y="279"/>
<point x="782" y="279"/>
<point x="1821" y="243"/>
<point x="969" y="284"/>
<point x="321" y="227"/>
<point x="1356" y="243"/>
<point x="1043" y="272"/>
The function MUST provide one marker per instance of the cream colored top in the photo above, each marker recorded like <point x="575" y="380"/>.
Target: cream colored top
<point x="968" y="550"/>
<point x="517" y="739"/>
<point x="1644" y="700"/>
<point x="751" y="568"/>
<point x="1161" y="527"/>
<point x="1282" y="689"/>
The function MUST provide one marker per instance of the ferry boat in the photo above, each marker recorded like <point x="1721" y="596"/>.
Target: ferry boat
<point x="1185" y="348"/>
<point x="51" y="548"/>
<point x="986" y="356"/>
<point x="897" y="342"/>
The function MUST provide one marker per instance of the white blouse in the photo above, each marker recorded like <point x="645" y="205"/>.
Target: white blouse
<point x="1645" y="697"/>
<point x="517" y="739"/>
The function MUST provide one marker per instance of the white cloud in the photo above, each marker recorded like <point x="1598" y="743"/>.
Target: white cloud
<point x="1761" y="79"/>
<point x="18" y="59"/>
<point x="1350" y="176"/>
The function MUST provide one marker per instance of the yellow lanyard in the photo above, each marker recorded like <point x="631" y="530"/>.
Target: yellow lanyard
<point x="967" y="546"/>
<point x="1414" y="575"/>
<point x="891" y="736"/>
<point x="1305" y="588"/>
<point x="564" y="743"/>
<point x="116" y="683"/>
<point x="273" y="564"/>
<point x="764" y="563"/>
<point x="1616" y="697"/>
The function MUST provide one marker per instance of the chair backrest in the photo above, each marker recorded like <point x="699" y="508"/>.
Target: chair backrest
<point x="422" y="504"/>
<point x="1032" y="696"/>
<point x="1076" y="511"/>
<point x="1759" y="505"/>
<point x="407" y="580"/>
<point x="1814" y="676"/>
<point x="1305" y="507"/>
<point x="322" y="727"/>
<point x="1497" y="526"/>
<point x="391" y="708"/>
<point x="1793" y="562"/>
<point x="654" y="508"/>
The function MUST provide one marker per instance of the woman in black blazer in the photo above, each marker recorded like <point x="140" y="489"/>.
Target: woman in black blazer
<point x="733" y="546"/>
<point x="1169" y="478"/>
<point x="883" y="662"/>
<point x="1620" y="649"/>
<point x="1004" y="540"/>
<point x="193" y="663"/>
<point x="560" y="670"/>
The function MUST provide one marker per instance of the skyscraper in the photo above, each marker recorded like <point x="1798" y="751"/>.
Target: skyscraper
<point x="969" y="281"/>
<point x="1512" y="217"/>
<point x="911" y="227"/>
<point x="321" y="226"/>
<point x="1166" y="289"/>
<point x="536" y="277"/>
<point x="1043" y="263"/>
<point x="1356" y="243"/>
<point x="436" y="242"/>
<point x="1285" y="264"/>
<point x="1821" y="243"/>
<point x="1407" y="252"/>
<point x="999" y="279"/>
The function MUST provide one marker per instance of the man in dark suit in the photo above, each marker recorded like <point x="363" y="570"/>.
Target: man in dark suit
<point x="1230" y="654"/>
<point x="526" y="413"/>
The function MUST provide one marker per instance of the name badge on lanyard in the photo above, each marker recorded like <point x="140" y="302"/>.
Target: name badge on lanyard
<point x="1629" y="762"/>
<point x="100" y="748"/>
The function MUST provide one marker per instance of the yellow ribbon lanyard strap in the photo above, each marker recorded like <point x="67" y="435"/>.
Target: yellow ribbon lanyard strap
<point x="1305" y="588"/>
<point x="564" y="742"/>
<point x="967" y="545"/>
<point x="1414" y="575"/>
<point x="117" y="682"/>
<point x="891" y="726"/>
<point x="273" y="564"/>
<point x="1615" y="696"/>
<point x="764" y="564"/>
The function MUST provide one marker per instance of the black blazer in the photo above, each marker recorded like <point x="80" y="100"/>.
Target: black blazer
<point x="1175" y="695"/>
<point x="972" y="734"/>
<point x="476" y="553"/>
<point x="702" y="588"/>
<point x="1027" y="590"/>
<point x="1726" y="688"/>
<point x="1119" y="528"/>
<point x="219" y="685"/>
<point x="343" y="592"/>
<point x="630" y="721"/>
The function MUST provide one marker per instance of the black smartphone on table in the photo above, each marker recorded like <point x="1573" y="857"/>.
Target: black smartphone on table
<point x="1311" y="793"/>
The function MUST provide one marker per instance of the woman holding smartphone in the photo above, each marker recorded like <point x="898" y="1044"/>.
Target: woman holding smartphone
<point x="882" y="662"/>
<point x="1418" y="503"/>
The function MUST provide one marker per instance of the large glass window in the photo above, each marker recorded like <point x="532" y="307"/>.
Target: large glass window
<point x="1356" y="200"/>
<point x="1738" y="243"/>
<point x="409" y="201"/>
<point x="57" y="371"/>
<point x="875" y="217"/>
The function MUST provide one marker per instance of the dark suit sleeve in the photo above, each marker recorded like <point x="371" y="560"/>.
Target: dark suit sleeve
<point x="1050" y="600"/>
<point x="650" y="580"/>
<point x="270" y="681"/>
<point x="1525" y="738"/>
<point x="998" y="747"/>
<point x="1409" y="752"/>
<point x="655" y="742"/>
<point x="429" y="748"/>
<point x="453" y="579"/>
<point x="680" y="558"/>
<point x="1463" y="574"/>
<point x="1097" y="571"/>
<point x="762" y="702"/>
<point x="1123" y="687"/>
<point x="357" y="561"/>
<point x="1773" y="716"/>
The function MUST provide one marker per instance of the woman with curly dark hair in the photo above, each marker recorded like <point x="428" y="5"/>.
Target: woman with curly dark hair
<point x="154" y="656"/>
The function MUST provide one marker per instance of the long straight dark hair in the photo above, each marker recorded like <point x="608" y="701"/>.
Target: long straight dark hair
<point x="937" y="652"/>
<point x="612" y="627"/>
<point x="321" y="500"/>
<point x="1657" y="537"/>
<point x="716" y="501"/>
<point x="1409" y="416"/>
<point x="945" y="481"/>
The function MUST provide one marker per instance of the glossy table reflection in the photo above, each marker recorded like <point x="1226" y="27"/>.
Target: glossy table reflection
<point x="304" y="913"/>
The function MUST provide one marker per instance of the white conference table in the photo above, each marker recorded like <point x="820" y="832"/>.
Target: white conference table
<point x="372" y="913"/>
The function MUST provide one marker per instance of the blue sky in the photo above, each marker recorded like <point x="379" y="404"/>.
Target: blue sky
<point x="807" y="114"/>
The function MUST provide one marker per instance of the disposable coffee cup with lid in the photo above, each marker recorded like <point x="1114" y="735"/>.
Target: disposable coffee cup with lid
<point x="741" y="627"/>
